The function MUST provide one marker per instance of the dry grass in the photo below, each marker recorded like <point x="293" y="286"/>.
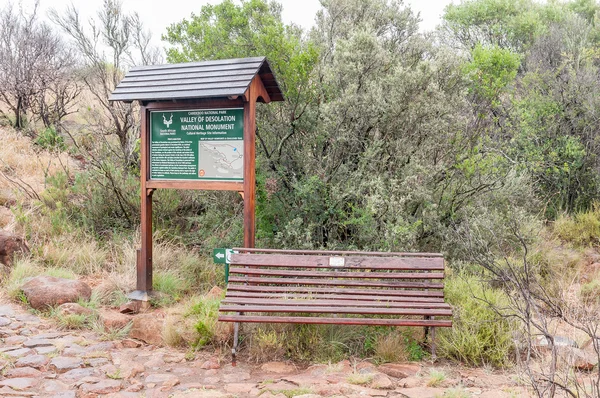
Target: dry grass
<point x="25" y="168"/>
<point x="87" y="259"/>
<point x="174" y="330"/>
<point x="436" y="378"/>
<point x="391" y="348"/>
<point x="266" y="345"/>
<point x="359" y="378"/>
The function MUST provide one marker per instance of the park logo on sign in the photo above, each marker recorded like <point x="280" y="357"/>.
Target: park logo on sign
<point x="167" y="122"/>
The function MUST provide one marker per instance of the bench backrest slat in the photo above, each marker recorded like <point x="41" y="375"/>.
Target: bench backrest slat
<point x="350" y="262"/>
<point x="316" y="290"/>
<point x="336" y="252"/>
<point x="338" y="274"/>
<point x="384" y="299"/>
<point x="336" y="282"/>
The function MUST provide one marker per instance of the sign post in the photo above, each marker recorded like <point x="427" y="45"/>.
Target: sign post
<point x="223" y="256"/>
<point x="198" y="131"/>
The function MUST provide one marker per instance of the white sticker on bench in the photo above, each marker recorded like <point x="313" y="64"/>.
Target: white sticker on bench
<point x="337" y="261"/>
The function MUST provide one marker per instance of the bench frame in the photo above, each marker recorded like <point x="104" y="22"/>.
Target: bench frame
<point x="369" y="284"/>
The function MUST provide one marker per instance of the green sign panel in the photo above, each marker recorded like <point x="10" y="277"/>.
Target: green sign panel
<point x="223" y="256"/>
<point x="220" y="256"/>
<point x="202" y="144"/>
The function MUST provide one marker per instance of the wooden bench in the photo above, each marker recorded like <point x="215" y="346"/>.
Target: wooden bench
<point x="335" y="287"/>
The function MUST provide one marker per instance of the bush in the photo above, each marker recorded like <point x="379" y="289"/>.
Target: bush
<point x="50" y="139"/>
<point x="205" y="312"/>
<point x="582" y="229"/>
<point x="479" y="335"/>
<point x="398" y="346"/>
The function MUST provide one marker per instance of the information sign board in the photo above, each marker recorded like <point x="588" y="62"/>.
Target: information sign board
<point x="201" y="144"/>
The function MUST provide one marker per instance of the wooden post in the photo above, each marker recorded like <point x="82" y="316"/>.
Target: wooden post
<point x="144" y="271"/>
<point x="250" y="167"/>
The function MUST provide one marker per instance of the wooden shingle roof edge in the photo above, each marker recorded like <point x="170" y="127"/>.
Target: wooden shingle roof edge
<point x="207" y="79"/>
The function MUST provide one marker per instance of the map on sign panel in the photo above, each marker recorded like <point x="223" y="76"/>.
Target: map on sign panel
<point x="221" y="159"/>
<point x="197" y="144"/>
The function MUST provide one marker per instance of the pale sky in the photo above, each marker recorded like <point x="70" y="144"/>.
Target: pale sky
<point x="158" y="14"/>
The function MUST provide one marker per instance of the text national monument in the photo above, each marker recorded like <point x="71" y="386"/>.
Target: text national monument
<point x="198" y="131"/>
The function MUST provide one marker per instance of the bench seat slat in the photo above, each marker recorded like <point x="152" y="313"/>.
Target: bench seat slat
<point x="337" y="321"/>
<point x="361" y="292"/>
<point x="311" y="261"/>
<point x="338" y="274"/>
<point x="336" y="310"/>
<point x="315" y="296"/>
<point x="336" y="282"/>
<point x="332" y="303"/>
<point x="336" y="252"/>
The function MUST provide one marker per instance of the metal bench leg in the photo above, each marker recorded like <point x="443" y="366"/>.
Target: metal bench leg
<point x="433" y="356"/>
<point x="236" y="332"/>
<point x="430" y="332"/>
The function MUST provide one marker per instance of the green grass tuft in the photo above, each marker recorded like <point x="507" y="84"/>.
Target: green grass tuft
<point x="582" y="229"/>
<point x="170" y="287"/>
<point x="435" y="378"/>
<point x="478" y="335"/>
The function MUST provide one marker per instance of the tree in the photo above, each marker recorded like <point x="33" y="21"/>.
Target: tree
<point x="358" y="154"/>
<point x="511" y="24"/>
<point x="33" y="62"/>
<point x="533" y="67"/>
<point x="128" y="44"/>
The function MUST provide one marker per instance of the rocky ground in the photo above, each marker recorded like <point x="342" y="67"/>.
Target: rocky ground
<point x="38" y="360"/>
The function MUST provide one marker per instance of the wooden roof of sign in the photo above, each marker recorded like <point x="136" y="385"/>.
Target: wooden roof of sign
<point x="209" y="79"/>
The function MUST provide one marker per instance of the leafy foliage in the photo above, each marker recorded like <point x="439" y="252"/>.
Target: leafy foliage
<point x="479" y="335"/>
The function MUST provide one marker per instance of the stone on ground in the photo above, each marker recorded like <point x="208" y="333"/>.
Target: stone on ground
<point x="64" y="364"/>
<point x="33" y="361"/>
<point x="44" y="291"/>
<point x="89" y="390"/>
<point x="148" y="328"/>
<point x="400" y="370"/>
<point x="278" y="367"/>
<point x="114" y="320"/>
<point x="421" y="392"/>
<point x="23" y="372"/>
<point x="10" y="245"/>
<point x="211" y="363"/>
<point x="19" y="383"/>
<point x="381" y="382"/>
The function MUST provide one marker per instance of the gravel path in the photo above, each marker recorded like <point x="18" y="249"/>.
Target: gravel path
<point x="38" y="360"/>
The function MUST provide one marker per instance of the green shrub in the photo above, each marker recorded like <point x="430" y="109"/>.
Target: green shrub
<point x="170" y="287"/>
<point x="397" y="345"/>
<point x="478" y="335"/>
<point x="50" y="139"/>
<point x="582" y="229"/>
<point x="208" y="330"/>
<point x="436" y="378"/>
